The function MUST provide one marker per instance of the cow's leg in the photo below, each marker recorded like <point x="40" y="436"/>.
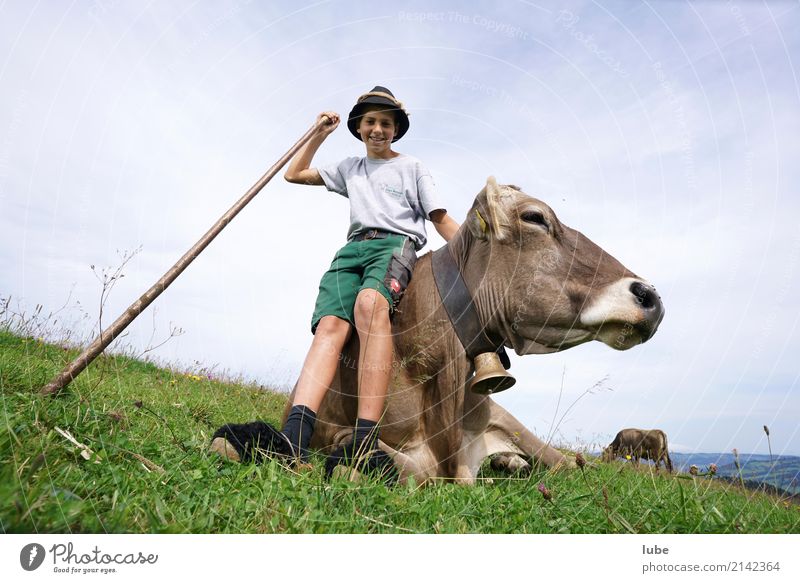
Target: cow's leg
<point x="518" y="439"/>
<point x="502" y="433"/>
<point x="510" y="463"/>
<point x="477" y="447"/>
<point x="411" y="464"/>
<point x="477" y="442"/>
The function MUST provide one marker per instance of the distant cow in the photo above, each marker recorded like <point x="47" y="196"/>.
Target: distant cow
<point x="640" y="444"/>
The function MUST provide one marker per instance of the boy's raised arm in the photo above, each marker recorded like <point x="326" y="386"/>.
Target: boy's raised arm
<point x="299" y="171"/>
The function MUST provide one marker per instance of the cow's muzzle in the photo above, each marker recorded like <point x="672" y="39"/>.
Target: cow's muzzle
<point x="652" y="308"/>
<point x="625" y="313"/>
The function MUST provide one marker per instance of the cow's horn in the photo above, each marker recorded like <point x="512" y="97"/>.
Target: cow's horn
<point x="501" y="226"/>
<point x="490" y="375"/>
<point x="488" y="218"/>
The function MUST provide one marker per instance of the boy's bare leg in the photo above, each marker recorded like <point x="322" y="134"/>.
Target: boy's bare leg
<point x="375" y="357"/>
<point x="374" y="329"/>
<point x="321" y="362"/>
<point x="315" y="379"/>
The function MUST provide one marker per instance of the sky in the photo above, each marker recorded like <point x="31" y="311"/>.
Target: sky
<point x="664" y="131"/>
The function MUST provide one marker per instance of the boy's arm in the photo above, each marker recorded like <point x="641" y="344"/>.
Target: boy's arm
<point x="299" y="171"/>
<point x="444" y="224"/>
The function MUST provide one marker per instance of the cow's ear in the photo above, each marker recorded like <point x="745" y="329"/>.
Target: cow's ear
<point x="488" y="218"/>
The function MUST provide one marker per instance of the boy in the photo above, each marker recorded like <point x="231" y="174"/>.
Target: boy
<point x="391" y="195"/>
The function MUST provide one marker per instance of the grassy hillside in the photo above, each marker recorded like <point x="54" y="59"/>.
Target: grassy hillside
<point x="123" y="450"/>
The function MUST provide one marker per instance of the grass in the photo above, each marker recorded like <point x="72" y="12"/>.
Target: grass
<point x="146" y="470"/>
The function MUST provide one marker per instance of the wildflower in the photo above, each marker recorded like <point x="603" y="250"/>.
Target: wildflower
<point x="545" y="492"/>
<point x="712" y="469"/>
<point x="579" y="460"/>
<point x="693" y="470"/>
<point x="628" y="456"/>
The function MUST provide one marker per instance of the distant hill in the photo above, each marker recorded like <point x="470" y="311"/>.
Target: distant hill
<point x="783" y="472"/>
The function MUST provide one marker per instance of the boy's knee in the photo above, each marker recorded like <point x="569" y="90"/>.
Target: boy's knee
<point x="371" y="308"/>
<point x="332" y="329"/>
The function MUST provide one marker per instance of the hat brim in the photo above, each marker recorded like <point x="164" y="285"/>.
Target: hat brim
<point x="358" y="112"/>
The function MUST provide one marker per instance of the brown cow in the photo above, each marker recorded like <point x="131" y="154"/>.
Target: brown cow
<point x="648" y="444"/>
<point x="538" y="284"/>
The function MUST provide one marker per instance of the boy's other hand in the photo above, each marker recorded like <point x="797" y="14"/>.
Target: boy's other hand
<point x="331" y="122"/>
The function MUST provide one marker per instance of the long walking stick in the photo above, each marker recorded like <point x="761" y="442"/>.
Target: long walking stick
<point x="107" y="336"/>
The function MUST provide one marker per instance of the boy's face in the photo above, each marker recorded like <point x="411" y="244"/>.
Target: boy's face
<point x="377" y="129"/>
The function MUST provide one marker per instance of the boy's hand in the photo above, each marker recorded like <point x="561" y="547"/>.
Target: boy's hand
<point x="299" y="171"/>
<point x="331" y="119"/>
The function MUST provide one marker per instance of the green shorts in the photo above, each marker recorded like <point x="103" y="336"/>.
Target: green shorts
<point x="380" y="264"/>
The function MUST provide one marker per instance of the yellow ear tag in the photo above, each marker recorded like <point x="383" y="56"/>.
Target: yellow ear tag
<point x="482" y="222"/>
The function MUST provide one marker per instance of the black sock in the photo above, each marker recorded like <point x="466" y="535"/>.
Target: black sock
<point x="299" y="428"/>
<point x="362" y="453"/>
<point x="365" y="436"/>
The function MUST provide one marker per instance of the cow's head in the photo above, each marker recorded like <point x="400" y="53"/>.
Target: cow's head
<point x="544" y="286"/>
<point x="608" y="454"/>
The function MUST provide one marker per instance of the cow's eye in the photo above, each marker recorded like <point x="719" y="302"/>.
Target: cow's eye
<point x="535" y="217"/>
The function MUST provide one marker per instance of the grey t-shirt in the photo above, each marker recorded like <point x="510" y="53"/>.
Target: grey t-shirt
<point x="395" y="195"/>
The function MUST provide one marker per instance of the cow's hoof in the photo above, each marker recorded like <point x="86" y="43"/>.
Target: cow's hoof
<point x="510" y="463"/>
<point x="224" y="449"/>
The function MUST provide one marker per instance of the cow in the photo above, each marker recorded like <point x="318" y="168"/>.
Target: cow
<point x="648" y="444"/>
<point x="537" y="284"/>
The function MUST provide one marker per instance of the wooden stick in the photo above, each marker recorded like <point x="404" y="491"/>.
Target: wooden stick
<point x="107" y="336"/>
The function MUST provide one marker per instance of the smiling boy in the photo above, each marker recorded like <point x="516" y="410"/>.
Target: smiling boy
<point x="391" y="195"/>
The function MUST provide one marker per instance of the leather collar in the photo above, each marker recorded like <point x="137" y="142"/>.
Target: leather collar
<point x="460" y="307"/>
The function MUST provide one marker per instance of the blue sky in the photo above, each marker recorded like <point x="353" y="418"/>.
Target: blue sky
<point x="666" y="132"/>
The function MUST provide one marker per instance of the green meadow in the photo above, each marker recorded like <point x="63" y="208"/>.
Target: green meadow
<point x="123" y="450"/>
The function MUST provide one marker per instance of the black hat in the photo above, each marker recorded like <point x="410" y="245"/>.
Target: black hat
<point x="378" y="96"/>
